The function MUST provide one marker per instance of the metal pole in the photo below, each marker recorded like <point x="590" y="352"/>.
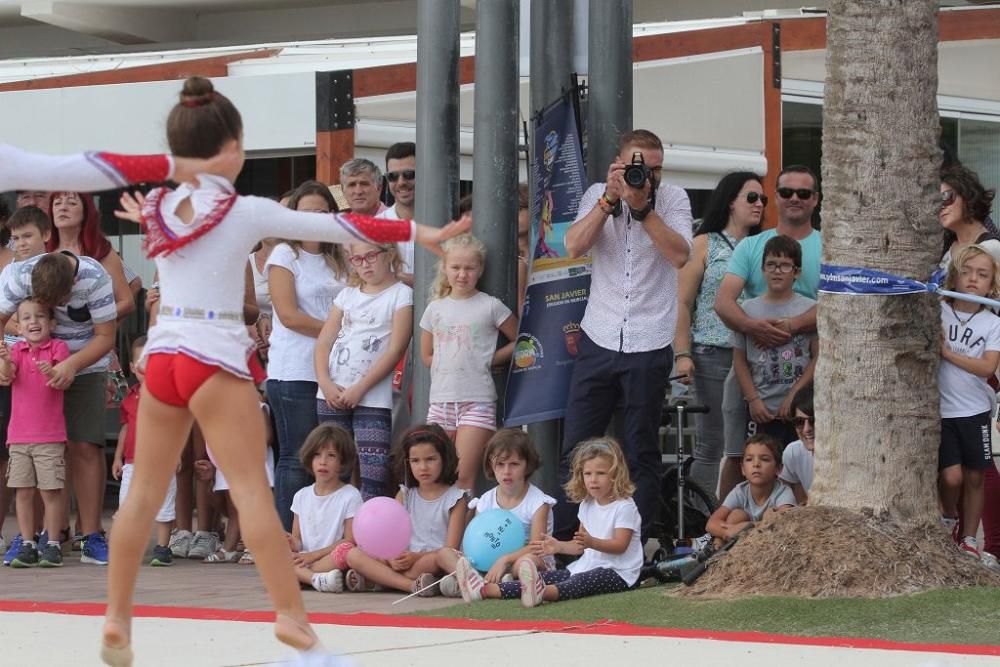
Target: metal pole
<point x="437" y="153"/>
<point x="495" y="159"/>
<point x="551" y="66"/>
<point x="609" y="102"/>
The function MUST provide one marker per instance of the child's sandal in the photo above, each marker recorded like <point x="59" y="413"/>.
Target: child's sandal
<point x="222" y="556"/>
<point x="426" y="581"/>
<point x="355" y="582"/>
<point x="246" y="558"/>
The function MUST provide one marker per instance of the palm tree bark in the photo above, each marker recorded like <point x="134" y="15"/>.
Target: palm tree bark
<point x="877" y="402"/>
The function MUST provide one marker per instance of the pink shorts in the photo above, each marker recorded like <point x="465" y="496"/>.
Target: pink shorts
<point x="450" y="416"/>
<point x="339" y="554"/>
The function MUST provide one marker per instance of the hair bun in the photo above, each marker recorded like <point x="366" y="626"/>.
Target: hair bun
<point x="197" y="91"/>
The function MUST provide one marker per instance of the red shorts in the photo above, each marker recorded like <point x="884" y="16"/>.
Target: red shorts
<point x="173" y="378"/>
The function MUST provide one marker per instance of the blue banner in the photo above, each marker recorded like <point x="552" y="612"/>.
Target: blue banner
<point x="853" y="280"/>
<point x="558" y="286"/>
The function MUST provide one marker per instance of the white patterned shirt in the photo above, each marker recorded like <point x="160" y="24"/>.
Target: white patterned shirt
<point x="633" y="288"/>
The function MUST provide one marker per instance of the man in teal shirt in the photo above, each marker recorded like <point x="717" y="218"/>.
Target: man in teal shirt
<point x="798" y="195"/>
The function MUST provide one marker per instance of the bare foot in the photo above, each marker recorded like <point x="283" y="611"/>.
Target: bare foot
<point x="296" y="634"/>
<point x="115" y="644"/>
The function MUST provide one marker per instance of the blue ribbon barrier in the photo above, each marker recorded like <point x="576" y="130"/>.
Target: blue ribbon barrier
<point x="852" y="280"/>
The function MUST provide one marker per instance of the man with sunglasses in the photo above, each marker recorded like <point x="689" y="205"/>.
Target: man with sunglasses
<point x="638" y="238"/>
<point x="798" y="195"/>
<point x="401" y="176"/>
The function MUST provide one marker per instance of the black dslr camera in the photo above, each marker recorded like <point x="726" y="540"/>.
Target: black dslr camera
<point x="636" y="174"/>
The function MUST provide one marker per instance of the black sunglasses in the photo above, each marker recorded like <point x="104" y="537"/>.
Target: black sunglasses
<point x="753" y="197"/>
<point x="947" y="197"/>
<point x="800" y="422"/>
<point x="407" y="174"/>
<point x="801" y="193"/>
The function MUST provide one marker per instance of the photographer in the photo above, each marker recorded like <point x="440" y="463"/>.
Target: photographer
<point x="638" y="231"/>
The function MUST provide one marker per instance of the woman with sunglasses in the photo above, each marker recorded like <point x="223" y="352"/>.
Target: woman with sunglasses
<point x="797" y="459"/>
<point x="304" y="278"/>
<point x="704" y="352"/>
<point x="965" y="217"/>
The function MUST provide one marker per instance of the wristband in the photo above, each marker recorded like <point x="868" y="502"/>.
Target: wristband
<point x="607" y="200"/>
<point x="605" y="207"/>
<point x="640" y="214"/>
<point x="678" y="355"/>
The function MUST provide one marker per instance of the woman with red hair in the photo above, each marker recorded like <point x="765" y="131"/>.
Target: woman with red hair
<point x="76" y="227"/>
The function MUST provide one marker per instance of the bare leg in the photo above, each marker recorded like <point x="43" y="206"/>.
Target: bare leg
<point x="160" y="435"/>
<point x="87" y="461"/>
<point x="6" y="494"/>
<point x="972" y="501"/>
<point x="185" y="490"/>
<point x="52" y="498"/>
<point x="470" y="442"/>
<point x="232" y="524"/>
<point x="26" y="512"/>
<point x="950" y="488"/>
<point x="163" y="532"/>
<point x="447" y="559"/>
<point x="732" y="474"/>
<point x="227" y="410"/>
<point x="378" y="571"/>
<point x="202" y="488"/>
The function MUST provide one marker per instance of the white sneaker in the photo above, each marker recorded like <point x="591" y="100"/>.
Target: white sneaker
<point x="180" y="542"/>
<point x="449" y="587"/>
<point x="969" y="547"/>
<point x="203" y="545"/>
<point x="329" y="582"/>
<point x="470" y="582"/>
<point x="532" y="586"/>
<point x="989" y="560"/>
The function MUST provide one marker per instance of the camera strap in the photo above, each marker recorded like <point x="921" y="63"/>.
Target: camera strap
<point x="641" y="213"/>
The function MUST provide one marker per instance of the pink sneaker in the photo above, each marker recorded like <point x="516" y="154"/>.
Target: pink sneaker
<point x="969" y="547"/>
<point x="532" y="586"/>
<point x="470" y="582"/>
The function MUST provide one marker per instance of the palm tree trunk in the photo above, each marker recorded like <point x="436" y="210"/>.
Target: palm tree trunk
<point x="876" y="379"/>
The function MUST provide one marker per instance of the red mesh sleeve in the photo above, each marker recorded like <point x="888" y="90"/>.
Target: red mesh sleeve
<point x="138" y="168"/>
<point x="379" y="230"/>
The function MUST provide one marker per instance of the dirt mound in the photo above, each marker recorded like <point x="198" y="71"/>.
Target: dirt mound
<point x="821" y="552"/>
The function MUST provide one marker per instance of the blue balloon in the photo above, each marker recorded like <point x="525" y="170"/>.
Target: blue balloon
<point x="492" y="534"/>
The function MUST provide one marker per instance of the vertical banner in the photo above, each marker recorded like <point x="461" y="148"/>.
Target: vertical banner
<point x="558" y="285"/>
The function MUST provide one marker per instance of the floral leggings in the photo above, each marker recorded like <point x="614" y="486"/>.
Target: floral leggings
<point x="371" y="429"/>
<point x="571" y="586"/>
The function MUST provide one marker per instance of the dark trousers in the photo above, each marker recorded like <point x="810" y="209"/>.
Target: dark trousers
<point x="602" y="381"/>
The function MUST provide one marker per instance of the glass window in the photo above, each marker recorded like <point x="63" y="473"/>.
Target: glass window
<point x="979" y="149"/>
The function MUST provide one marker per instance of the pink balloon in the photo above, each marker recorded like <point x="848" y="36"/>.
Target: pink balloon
<point x="382" y="528"/>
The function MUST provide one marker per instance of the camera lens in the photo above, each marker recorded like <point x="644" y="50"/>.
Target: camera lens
<point x="635" y="175"/>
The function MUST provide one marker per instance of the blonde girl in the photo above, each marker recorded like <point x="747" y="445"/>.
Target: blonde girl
<point x="428" y="464"/>
<point x="304" y="278"/>
<point x="607" y="540"/>
<point x="970" y="352"/>
<point x="364" y="337"/>
<point x="510" y="460"/>
<point x="458" y="342"/>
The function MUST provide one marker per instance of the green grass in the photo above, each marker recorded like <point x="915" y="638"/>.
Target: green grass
<point x="970" y="616"/>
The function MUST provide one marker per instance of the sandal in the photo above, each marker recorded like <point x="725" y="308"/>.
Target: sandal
<point x="355" y="582"/>
<point x="222" y="556"/>
<point x="246" y="558"/>
<point x="426" y="581"/>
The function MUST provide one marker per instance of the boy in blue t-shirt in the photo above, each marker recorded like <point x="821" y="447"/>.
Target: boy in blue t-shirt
<point x="770" y="377"/>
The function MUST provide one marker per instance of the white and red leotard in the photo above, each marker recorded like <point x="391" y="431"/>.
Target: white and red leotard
<point x="82" y="172"/>
<point x="202" y="265"/>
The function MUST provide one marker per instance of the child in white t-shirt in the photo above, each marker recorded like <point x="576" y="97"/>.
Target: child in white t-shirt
<point x="323" y="512"/>
<point x="365" y="335"/>
<point x="510" y="459"/>
<point x="459" y="344"/>
<point x="607" y="540"/>
<point x="797" y="459"/>
<point x="970" y="353"/>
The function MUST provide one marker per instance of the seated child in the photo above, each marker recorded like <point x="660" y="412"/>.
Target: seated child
<point x="761" y="492"/>
<point x="428" y="463"/>
<point x="124" y="459"/>
<point x="228" y="550"/>
<point x="607" y="540"/>
<point x="770" y="377"/>
<point x="797" y="459"/>
<point x="36" y="435"/>
<point x="510" y="459"/>
<point x="323" y="512"/>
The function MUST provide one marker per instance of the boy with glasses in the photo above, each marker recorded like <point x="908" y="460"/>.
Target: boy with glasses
<point x="797" y="460"/>
<point x="769" y="377"/>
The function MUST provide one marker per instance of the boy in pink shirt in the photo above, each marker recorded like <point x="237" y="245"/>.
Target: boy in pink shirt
<point x="36" y="435"/>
